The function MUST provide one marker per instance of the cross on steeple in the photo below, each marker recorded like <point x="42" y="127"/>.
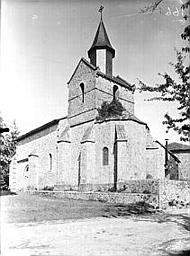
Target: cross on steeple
<point x="101" y="10"/>
<point x="101" y="53"/>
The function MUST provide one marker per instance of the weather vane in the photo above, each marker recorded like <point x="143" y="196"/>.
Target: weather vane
<point x="101" y="10"/>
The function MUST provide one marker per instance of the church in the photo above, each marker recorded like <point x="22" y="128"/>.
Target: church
<point x="85" y="150"/>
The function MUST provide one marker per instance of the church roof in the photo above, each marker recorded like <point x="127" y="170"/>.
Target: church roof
<point x="174" y="146"/>
<point x="169" y="152"/>
<point x="101" y="39"/>
<point x="129" y="116"/>
<point x="117" y="80"/>
<point x="114" y="79"/>
<point x="40" y="128"/>
<point x="125" y="117"/>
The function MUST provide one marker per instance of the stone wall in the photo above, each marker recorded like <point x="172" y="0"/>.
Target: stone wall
<point x="96" y="91"/>
<point x="134" y="165"/>
<point x="160" y="193"/>
<point x="79" y="110"/>
<point x="104" y="134"/>
<point x="116" y="198"/>
<point x="39" y="146"/>
<point x="78" y="149"/>
<point x="104" y="92"/>
<point x="130" y="186"/>
<point x="140" y="186"/>
<point x="184" y="166"/>
<point x="173" y="192"/>
<point x="155" y="163"/>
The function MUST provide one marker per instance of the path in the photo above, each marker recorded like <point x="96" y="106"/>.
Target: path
<point x="94" y="236"/>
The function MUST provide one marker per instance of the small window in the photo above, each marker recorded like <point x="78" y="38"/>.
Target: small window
<point x="105" y="156"/>
<point x="115" y="92"/>
<point x="50" y="161"/>
<point x="82" y="91"/>
<point x="26" y="170"/>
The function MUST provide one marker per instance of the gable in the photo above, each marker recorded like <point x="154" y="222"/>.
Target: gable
<point x="84" y="73"/>
<point x="82" y="60"/>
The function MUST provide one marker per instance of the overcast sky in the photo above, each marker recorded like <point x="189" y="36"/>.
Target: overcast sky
<point x="43" y="40"/>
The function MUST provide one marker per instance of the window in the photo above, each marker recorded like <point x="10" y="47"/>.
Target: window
<point x="82" y="91"/>
<point x="50" y="161"/>
<point x="105" y="156"/>
<point x="115" y="92"/>
<point x="26" y="170"/>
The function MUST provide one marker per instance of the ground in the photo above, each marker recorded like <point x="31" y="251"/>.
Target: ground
<point x="33" y="225"/>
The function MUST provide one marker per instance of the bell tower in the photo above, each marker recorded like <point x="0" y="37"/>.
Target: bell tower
<point x="101" y="52"/>
<point x="89" y="87"/>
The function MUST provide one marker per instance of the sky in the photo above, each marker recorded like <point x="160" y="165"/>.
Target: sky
<point x="42" y="41"/>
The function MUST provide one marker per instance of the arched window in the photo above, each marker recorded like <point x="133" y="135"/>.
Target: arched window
<point x="50" y="161"/>
<point x="105" y="156"/>
<point x="82" y="91"/>
<point x="115" y="92"/>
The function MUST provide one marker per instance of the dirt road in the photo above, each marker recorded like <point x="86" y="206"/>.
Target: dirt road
<point x="92" y="236"/>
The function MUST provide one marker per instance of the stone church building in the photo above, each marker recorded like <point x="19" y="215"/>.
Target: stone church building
<point x="82" y="151"/>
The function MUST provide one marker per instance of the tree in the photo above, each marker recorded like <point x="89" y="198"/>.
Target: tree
<point x="110" y="109"/>
<point x="7" y="151"/>
<point x="172" y="90"/>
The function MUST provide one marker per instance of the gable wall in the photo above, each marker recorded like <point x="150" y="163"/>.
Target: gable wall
<point x="43" y="146"/>
<point x="97" y="90"/>
<point x="86" y="75"/>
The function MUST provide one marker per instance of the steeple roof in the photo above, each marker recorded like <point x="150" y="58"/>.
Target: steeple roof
<point x="101" y="39"/>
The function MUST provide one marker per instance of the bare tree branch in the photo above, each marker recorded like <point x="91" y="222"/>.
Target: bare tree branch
<point x="151" y="8"/>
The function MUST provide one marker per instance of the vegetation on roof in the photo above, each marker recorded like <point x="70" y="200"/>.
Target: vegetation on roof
<point x="110" y="109"/>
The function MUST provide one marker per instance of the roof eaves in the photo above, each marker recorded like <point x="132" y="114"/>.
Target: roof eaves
<point x="174" y="146"/>
<point x="124" y="81"/>
<point x="175" y="157"/>
<point x="115" y="80"/>
<point x="40" y="128"/>
<point x="122" y="119"/>
<point x="88" y="63"/>
<point x="180" y="150"/>
<point x="135" y="119"/>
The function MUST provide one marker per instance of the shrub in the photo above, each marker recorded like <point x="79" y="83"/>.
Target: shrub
<point x="50" y="188"/>
<point x="110" y="109"/>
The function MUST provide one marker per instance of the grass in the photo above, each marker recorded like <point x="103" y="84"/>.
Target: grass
<point x="37" y="208"/>
<point x="6" y="193"/>
<point x="34" y="208"/>
<point x="26" y="208"/>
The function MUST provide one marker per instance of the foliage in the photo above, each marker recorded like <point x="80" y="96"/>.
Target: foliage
<point x="172" y="90"/>
<point x="7" y="151"/>
<point x="110" y="109"/>
<point x="48" y="188"/>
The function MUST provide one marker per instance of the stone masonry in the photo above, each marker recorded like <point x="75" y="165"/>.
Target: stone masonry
<point x="83" y="153"/>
